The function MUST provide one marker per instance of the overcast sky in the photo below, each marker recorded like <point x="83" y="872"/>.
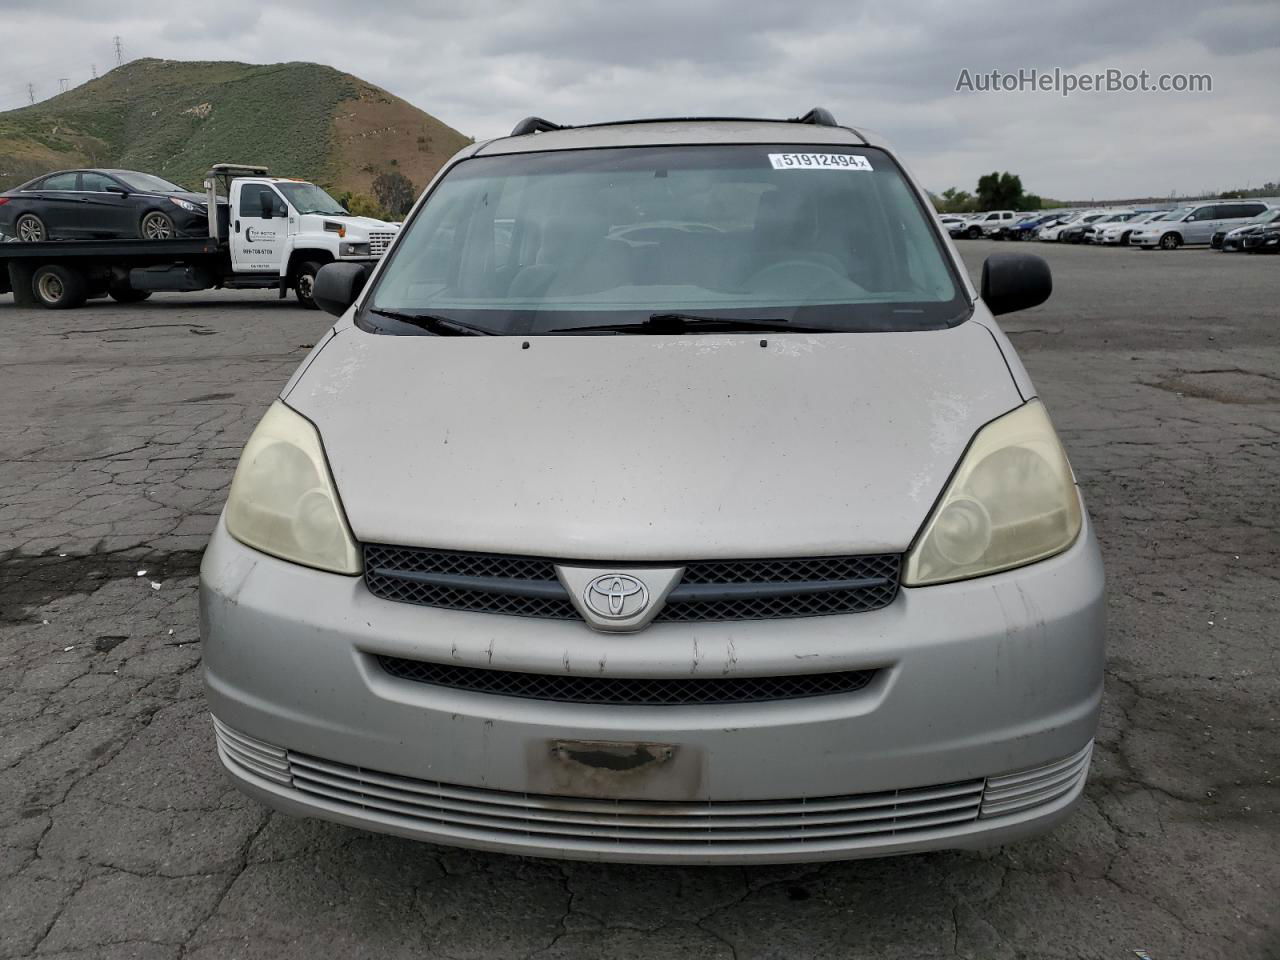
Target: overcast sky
<point x="891" y="66"/>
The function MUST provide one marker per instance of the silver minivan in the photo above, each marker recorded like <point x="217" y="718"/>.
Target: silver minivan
<point x="668" y="493"/>
<point x="1195" y="224"/>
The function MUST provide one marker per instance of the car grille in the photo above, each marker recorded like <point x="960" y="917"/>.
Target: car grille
<point x="629" y="691"/>
<point x="379" y="241"/>
<point x="638" y="821"/>
<point x="713" y="590"/>
<point x="645" y="827"/>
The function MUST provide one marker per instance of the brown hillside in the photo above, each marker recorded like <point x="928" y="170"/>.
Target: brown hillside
<point x="175" y="118"/>
<point x="377" y="127"/>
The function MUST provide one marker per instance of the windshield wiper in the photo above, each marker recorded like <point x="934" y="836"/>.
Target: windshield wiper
<point x="433" y="323"/>
<point x="663" y="323"/>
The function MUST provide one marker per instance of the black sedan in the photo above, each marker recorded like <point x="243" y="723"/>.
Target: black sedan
<point x="101" y="204"/>
<point x="1264" y="241"/>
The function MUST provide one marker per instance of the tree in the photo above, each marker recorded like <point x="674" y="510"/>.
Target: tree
<point x="363" y="205"/>
<point x="956" y="201"/>
<point x="395" y="192"/>
<point x="1000" y="191"/>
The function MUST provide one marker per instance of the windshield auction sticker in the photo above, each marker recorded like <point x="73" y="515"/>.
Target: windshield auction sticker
<point x="818" y="161"/>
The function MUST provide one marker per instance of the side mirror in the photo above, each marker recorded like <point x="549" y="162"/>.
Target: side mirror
<point x="113" y="188"/>
<point x="1015" y="281"/>
<point x="337" y="285"/>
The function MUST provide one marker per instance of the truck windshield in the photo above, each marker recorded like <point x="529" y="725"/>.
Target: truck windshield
<point x="308" y="198"/>
<point x="531" y="243"/>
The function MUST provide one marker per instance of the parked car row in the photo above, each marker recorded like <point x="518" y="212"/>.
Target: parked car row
<point x="1227" y="225"/>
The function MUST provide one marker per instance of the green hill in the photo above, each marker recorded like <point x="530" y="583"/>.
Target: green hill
<point x="175" y="118"/>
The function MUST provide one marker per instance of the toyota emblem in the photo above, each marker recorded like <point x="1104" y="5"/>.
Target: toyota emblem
<point x="616" y="596"/>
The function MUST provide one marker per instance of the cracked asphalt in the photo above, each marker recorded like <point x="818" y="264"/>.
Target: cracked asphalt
<point x="120" y="838"/>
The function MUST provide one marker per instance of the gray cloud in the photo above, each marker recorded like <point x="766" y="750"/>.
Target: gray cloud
<point x="482" y="65"/>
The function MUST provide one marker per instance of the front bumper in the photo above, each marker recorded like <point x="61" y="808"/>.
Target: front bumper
<point x="1266" y="243"/>
<point x="186" y="223"/>
<point x="975" y="730"/>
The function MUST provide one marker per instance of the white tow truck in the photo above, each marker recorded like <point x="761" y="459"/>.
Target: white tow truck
<point x="264" y="232"/>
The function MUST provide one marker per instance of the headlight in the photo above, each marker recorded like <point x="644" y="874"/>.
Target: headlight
<point x="1012" y="501"/>
<point x="282" y="498"/>
<point x="186" y="205"/>
<point x="355" y="250"/>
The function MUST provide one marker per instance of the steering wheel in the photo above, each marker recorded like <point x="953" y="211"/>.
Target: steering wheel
<point x="814" y="272"/>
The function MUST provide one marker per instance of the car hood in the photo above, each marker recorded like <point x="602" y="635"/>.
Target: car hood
<point x="650" y="447"/>
<point x="199" y="199"/>
<point x="361" y="223"/>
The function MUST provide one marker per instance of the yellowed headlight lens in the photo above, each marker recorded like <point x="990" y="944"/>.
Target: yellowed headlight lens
<point x="1011" y="502"/>
<point x="283" y="501"/>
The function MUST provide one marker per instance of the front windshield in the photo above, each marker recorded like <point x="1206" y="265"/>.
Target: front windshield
<point x="146" y="183"/>
<point x="538" y="242"/>
<point x="1267" y="216"/>
<point x="308" y="198"/>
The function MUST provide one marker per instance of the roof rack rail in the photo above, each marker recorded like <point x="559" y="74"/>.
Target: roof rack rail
<point x="818" y="116"/>
<point x="534" y="125"/>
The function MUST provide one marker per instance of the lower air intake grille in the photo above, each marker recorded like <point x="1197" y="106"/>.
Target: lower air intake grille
<point x="595" y="828"/>
<point x="627" y="690"/>
<point x="710" y="590"/>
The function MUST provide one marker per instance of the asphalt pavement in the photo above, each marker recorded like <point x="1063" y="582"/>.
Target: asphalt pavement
<point x="120" y="837"/>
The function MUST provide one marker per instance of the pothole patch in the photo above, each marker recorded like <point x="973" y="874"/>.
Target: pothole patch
<point x="1224" y="386"/>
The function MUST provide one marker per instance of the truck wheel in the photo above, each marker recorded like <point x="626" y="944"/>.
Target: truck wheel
<point x="1170" y="241"/>
<point x="156" y="226"/>
<point x="304" y="282"/>
<point x="30" y="229"/>
<point x="974" y="233"/>
<point x="123" y="293"/>
<point x="58" y="287"/>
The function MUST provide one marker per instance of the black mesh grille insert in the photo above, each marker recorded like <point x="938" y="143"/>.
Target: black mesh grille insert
<point x="876" y="579"/>
<point x="627" y="690"/>
<point x="481" y="582"/>
<point x="710" y="590"/>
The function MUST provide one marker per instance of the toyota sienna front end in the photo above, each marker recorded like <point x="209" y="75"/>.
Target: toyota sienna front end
<point x="666" y="494"/>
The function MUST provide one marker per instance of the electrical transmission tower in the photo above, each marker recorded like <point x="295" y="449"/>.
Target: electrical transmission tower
<point x="31" y="92"/>
<point x="119" y="51"/>
<point x="62" y="84"/>
<point x="93" y="70"/>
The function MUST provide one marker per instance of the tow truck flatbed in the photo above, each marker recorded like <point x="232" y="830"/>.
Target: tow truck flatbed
<point x="258" y="239"/>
